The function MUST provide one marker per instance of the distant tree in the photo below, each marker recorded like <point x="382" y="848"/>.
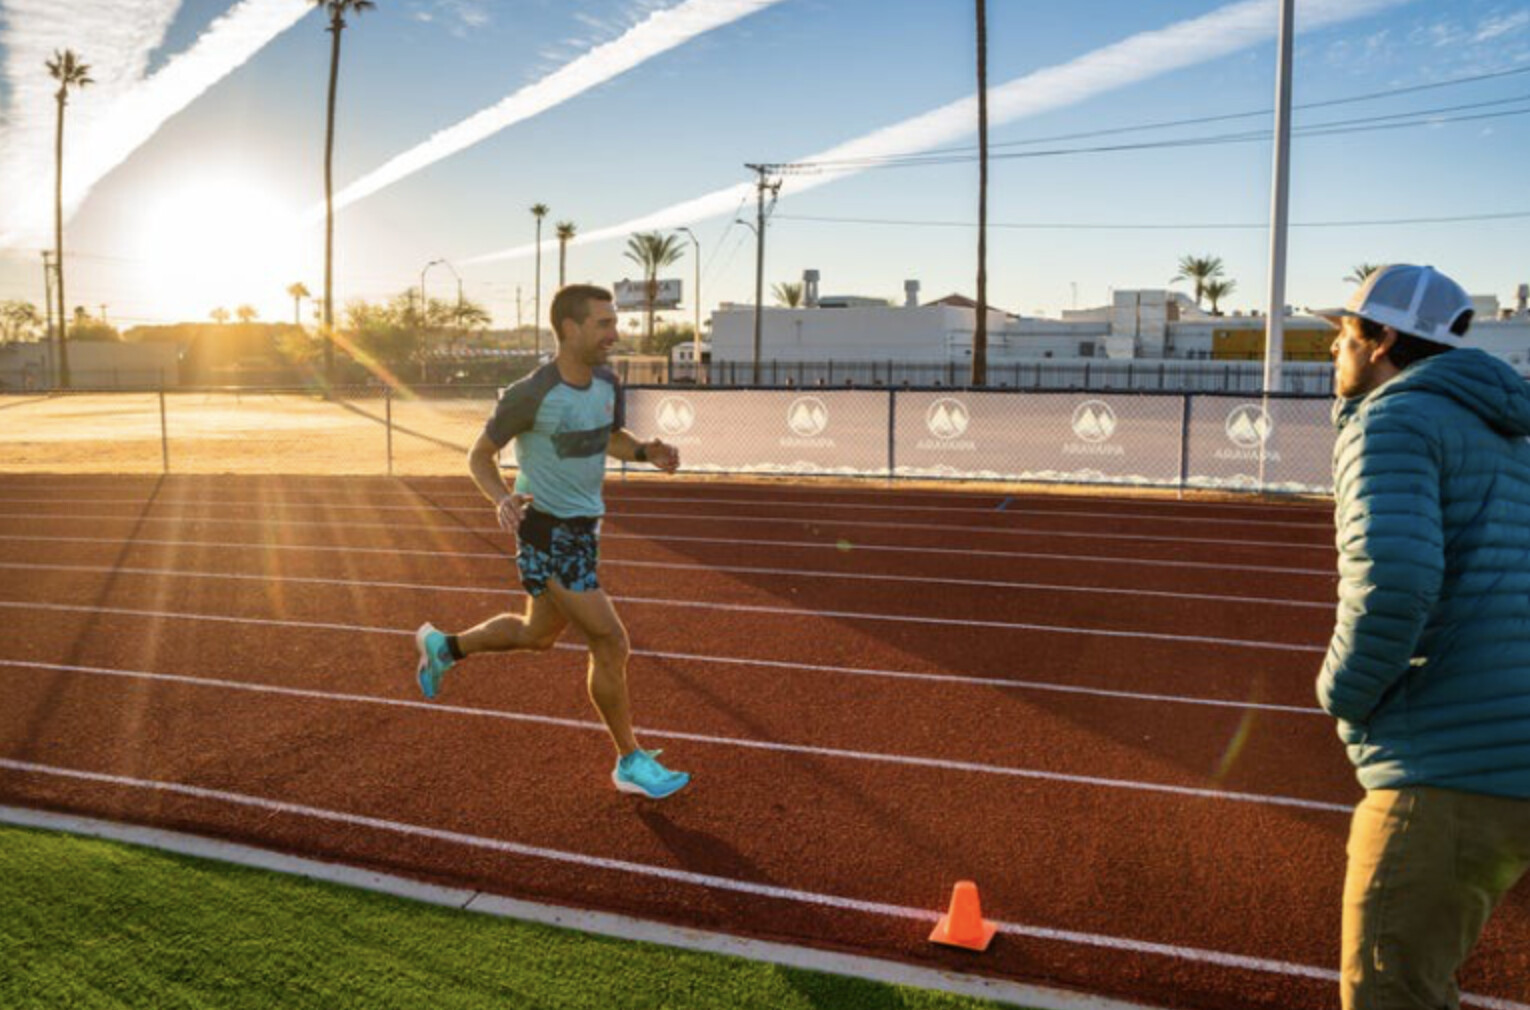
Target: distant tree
<point x="66" y="68"/>
<point x="1361" y="272"/>
<point x="337" y="10"/>
<point x="298" y="291"/>
<point x="19" y="320"/>
<point x="789" y="294"/>
<point x="652" y="251"/>
<point x="1216" y="290"/>
<point x="565" y="232"/>
<point x="1198" y="269"/>
<point x="219" y="315"/>
<point x="246" y="313"/>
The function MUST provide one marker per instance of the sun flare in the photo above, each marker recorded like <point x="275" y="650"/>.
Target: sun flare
<point x="218" y="244"/>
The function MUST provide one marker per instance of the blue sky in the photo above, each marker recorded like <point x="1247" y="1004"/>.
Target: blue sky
<point x="196" y="160"/>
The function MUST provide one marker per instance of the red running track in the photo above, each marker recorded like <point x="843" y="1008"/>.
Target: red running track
<point x="1098" y="708"/>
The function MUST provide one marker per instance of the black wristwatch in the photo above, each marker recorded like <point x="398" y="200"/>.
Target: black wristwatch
<point x="641" y="454"/>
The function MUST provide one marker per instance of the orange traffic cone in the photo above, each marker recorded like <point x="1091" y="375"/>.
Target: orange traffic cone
<point x="963" y="925"/>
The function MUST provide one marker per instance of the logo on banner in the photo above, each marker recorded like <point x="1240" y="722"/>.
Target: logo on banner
<point x="675" y="415"/>
<point x="947" y="419"/>
<point x="1094" y="423"/>
<point x="1248" y="427"/>
<point x="807" y="418"/>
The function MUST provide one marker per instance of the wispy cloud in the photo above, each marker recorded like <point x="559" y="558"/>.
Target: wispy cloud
<point x="123" y="109"/>
<point x="1499" y="26"/>
<point x="659" y="32"/>
<point x="1138" y="58"/>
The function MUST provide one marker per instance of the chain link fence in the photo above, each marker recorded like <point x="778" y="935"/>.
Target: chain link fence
<point x="1178" y="440"/>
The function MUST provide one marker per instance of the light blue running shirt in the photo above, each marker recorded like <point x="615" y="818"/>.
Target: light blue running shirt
<point x="561" y="433"/>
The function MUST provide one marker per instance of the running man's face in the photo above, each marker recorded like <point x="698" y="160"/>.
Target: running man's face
<point x="591" y="341"/>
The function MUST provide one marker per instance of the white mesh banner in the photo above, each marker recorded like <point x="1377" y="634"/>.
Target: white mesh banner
<point x="1076" y="437"/>
<point x="1228" y="434"/>
<point x="766" y="431"/>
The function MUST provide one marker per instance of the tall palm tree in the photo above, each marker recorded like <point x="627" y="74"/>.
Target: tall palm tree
<point x="298" y="290"/>
<point x="1198" y="269"/>
<point x="565" y="235"/>
<point x="337" y="10"/>
<point x="980" y="320"/>
<point x="66" y="68"/>
<point x="1217" y="289"/>
<point x="538" y="211"/>
<point x="653" y="251"/>
<point x="1362" y="272"/>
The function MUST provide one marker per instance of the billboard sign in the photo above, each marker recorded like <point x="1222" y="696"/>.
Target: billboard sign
<point x="632" y="296"/>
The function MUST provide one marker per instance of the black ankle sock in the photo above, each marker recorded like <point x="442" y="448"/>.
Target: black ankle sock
<point x="453" y="648"/>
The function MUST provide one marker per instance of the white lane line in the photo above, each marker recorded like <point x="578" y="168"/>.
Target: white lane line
<point x="486" y="555"/>
<point x="708" y="881"/>
<point x="620" y="927"/>
<point x="622" y="519"/>
<point x="617" y="488"/>
<point x="1217" y="598"/>
<point x="593" y="726"/>
<point x="426" y="505"/>
<point x="639" y="601"/>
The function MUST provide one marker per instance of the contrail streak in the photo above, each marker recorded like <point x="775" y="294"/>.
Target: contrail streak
<point x="658" y="33"/>
<point x="1143" y="56"/>
<point x="113" y="118"/>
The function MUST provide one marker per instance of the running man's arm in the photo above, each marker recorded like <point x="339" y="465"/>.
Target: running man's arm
<point x="483" y="464"/>
<point x="624" y="445"/>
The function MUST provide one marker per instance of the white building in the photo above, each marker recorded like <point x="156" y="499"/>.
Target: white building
<point x="1144" y="332"/>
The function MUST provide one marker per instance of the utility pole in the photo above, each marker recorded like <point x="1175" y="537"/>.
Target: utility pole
<point x="980" y="313"/>
<point x="761" y="186"/>
<point x="696" y="336"/>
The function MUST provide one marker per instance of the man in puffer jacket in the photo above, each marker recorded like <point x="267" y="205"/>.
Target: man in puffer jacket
<point x="1428" y="670"/>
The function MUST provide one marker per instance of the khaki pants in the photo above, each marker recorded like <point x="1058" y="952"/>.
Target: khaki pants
<point x="1426" y="869"/>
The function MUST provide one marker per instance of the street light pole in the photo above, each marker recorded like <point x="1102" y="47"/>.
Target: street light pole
<point x="425" y="316"/>
<point x="696" y="337"/>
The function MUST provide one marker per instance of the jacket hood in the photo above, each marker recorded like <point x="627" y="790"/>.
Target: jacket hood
<point x="1476" y="380"/>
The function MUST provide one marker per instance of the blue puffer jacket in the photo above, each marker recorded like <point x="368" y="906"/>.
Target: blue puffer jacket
<point x="1428" y="670"/>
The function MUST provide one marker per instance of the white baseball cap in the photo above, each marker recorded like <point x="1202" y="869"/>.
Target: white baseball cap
<point x="1416" y="300"/>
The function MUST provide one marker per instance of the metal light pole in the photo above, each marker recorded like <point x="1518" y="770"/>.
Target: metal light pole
<point x="425" y="314"/>
<point x="696" y="337"/>
<point x="1280" y="199"/>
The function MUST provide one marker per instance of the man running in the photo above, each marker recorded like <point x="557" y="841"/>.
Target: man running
<point x="565" y="418"/>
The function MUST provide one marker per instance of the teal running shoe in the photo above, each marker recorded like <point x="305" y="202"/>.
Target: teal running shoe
<point x="435" y="659"/>
<point x="641" y="774"/>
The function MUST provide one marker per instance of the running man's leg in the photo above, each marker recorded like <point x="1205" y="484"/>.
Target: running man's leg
<point x="592" y="613"/>
<point x="537" y="628"/>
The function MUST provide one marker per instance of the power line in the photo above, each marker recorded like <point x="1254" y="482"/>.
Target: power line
<point x="1514" y="215"/>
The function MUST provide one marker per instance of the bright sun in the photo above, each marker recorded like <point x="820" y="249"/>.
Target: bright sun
<point x="217" y="244"/>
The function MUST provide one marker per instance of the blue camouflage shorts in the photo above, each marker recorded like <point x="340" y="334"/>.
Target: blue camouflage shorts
<point x="567" y="550"/>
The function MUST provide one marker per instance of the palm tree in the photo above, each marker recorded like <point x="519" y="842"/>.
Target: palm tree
<point x="1216" y="289"/>
<point x="789" y="294"/>
<point x="1362" y="272"/>
<point x="219" y="315"/>
<point x="1199" y="269"/>
<point x="980" y="318"/>
<point x="246" y="313"/>
<point x="66" y="68"/>
<point x="652" y="251"/>
<point x="298" y="290"/>
<point x="337" y="11"/>
<point x="565" y="235"/>
<point x="538" y="211"/>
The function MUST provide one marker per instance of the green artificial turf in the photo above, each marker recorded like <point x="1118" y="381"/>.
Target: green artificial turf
<point x="87" y="924"/>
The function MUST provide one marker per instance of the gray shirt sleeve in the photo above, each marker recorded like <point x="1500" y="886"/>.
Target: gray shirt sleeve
<point x="518" y="405"/>
<point x="619" y="411"/>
